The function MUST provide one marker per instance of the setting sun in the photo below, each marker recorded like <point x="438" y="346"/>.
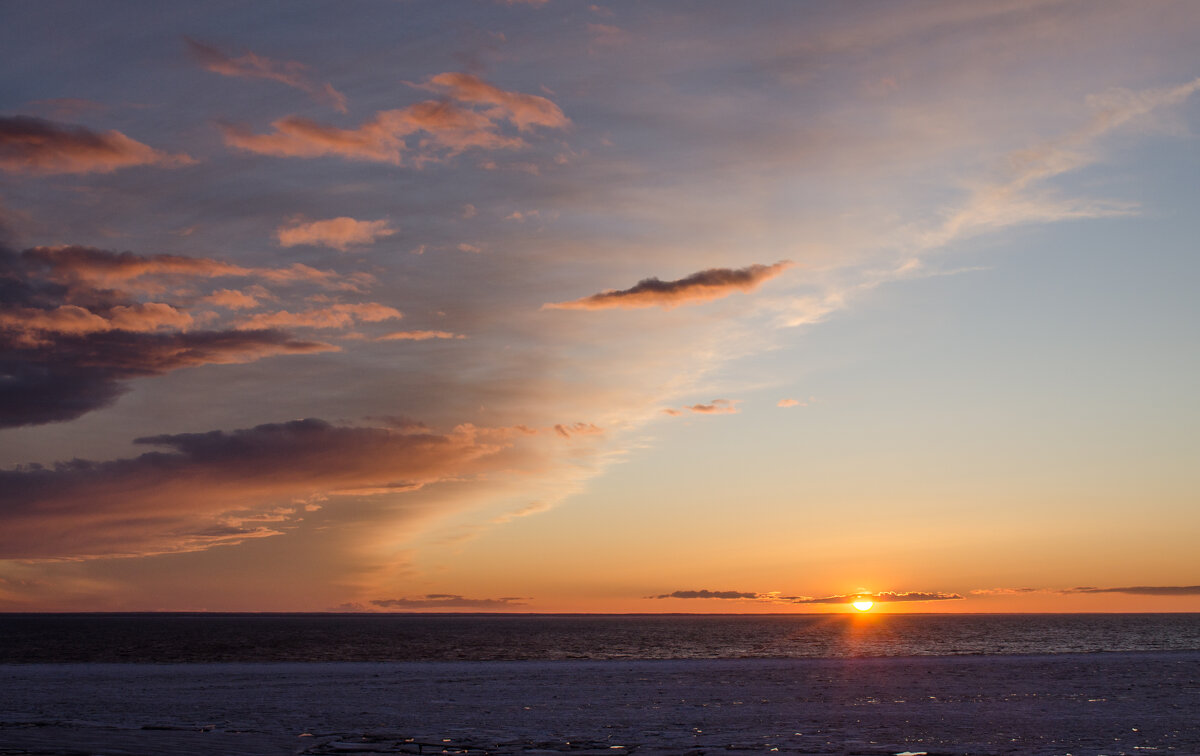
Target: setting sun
<point x="863" y="605"/>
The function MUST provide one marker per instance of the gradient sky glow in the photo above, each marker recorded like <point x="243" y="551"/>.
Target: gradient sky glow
<point x="618" y="307"/>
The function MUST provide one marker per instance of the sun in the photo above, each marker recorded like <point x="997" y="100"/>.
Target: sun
<point x="863" y="605"/>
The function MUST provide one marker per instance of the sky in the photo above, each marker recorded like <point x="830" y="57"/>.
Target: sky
<point x="550" y="306"/>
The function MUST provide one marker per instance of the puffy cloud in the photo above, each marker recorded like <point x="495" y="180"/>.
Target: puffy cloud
<point x="450" y="601"/>
<point x="254" y="66"/>
<point x="69" y="342"/>
<point x="39" y="147"/>
<point x="218" y="487"/>
<point x="1143" y="590"/>
<point x="790" y="403"/>
<point x="436" y="128"/>
<point x="338" y="233"/>
<point x="232" y="299"/>
<point x="335" y="316"/>
<point x="704" y="286"/>
<point x="707" y="594"/>
<point x="419" y="336"/>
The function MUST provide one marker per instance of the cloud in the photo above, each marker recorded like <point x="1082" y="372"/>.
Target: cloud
<point x="883" y="597"/>
<point x="450" y="601"/>
<point x="578" y="429"/>
<point x="232" y="299"/>
<point x="790" y="403"/>
<point x="524" y="110"/>
<point x="70" y="339"/>
<point x="218" y="487"/>
<point x="715" y="407"/>
<point x="337" y="233"/>
<point x="252" y="66"/>
<point x="419" y="336"/>
<point x="37" y="147"/>
<point x="335" y="316"/>
<point x="1142" y="590"/>
<point x="1014" y="199"/>
<point x="704" y="286"/>
<point x="469" y="116"/>
<point x="707" y="594"/>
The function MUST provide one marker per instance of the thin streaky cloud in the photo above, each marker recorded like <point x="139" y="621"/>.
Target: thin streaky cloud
<point x="253" y="66"/>
<point x="1142" y="590"/>
<point x="703" y="286"/>
<point x="419" y="336"/>
<point x="450" y="601"/>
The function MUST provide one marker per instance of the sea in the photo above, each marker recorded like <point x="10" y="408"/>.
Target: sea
<point x="214" y="637"/>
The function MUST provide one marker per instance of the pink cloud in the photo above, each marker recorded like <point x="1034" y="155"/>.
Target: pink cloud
<point x="419" y="336"/>
<point x="715" y="407"/>
<point x="254" y="66"/>
<point x="338" y="233"/>
<point x="231" y="299"/>
<point x="42" y="148"/>
<point x="437" y="128"/>
<point x="704" y="286"/>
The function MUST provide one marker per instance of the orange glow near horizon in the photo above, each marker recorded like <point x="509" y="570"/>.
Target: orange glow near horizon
<point x="863" y="605"/>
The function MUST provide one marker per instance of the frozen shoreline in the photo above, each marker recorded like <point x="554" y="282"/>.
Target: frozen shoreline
<point x="1081" y="704"/>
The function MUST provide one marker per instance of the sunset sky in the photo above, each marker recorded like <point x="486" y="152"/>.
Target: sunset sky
<point x="553" y="306"/>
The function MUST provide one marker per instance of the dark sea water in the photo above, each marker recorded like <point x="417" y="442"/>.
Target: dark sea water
<point x="160" y="638"/>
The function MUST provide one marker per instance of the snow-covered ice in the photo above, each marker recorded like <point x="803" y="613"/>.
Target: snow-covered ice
<point x="1133" y="703"/>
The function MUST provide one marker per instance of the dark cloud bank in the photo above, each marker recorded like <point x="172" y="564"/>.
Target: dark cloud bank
<point x="69" y="340"/>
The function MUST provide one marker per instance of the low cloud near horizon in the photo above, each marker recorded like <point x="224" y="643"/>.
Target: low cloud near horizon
<point x="450" y="601"/>
<point x="882" y="597"/>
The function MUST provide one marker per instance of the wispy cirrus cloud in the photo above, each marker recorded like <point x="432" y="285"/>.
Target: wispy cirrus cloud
<point x="222" y="485"/>
<point x="470" y="115"/>
<point x="704" y="286"/>
<point x="450" y="601"/>
<point x="337" y="233"/>
<point x="38" y="147"/>
<point x="253" y="66"/>
<point x="715" y="407"/>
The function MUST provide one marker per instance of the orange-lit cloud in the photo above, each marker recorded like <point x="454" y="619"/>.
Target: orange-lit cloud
<point x="790" y="403"/>
<point x="73" y="333"/>
<point x="338" y="233"/>
<point x="523" y="110"/>
<point x="777" y="598"/>
<point x="42" y="148"/>
<point x="704" y="286"/>
<point x="252" y="66"/>
<point x="232" y="299"/>
<point x="219" y="485"/>
<point x="577" y="429"/>
<point x="450" y="601"/>
<point x="419" y="336"/>
<point x="334" y="316"/>
<point x="439" y="128"/>
<point x="715" y="407"/>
